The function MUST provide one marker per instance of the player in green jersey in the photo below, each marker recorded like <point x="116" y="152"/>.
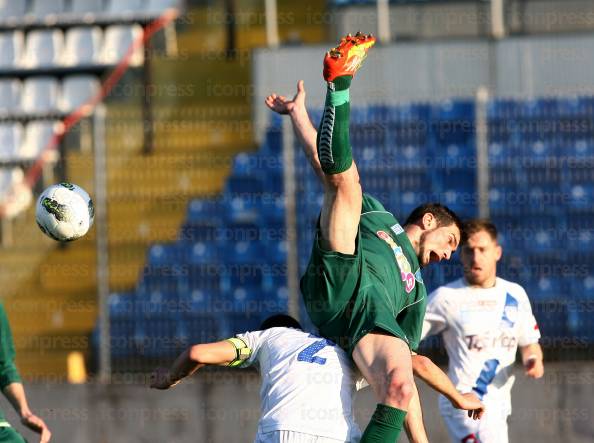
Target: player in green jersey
<point x="363" y="286"/>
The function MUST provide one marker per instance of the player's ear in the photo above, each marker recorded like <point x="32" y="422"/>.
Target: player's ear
<point x="498" y="252"/>
<point x="428" y="221"/>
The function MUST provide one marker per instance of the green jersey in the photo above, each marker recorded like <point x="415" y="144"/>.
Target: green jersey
<point x="8" y="370"/>
<point x="378" y="288"/>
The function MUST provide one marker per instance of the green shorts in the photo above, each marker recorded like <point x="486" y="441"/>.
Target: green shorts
<point x="344" y="300"/>
<point x="9" y="435"/>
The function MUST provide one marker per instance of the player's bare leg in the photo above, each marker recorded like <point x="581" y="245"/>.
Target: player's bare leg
<point x="341" y="209"/>
<point x="385" y="362"/>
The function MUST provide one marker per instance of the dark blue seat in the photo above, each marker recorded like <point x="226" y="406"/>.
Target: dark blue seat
<point x="206" y="211"/>
<point x="121" y="324"/>
<point x="167" y="254"/>
<point x="245" y="185"/>
<point x="199" y="232"/>
<point x="160" y="279"/>
<point x="581" y="196"/>
<point x="202" y="253"/>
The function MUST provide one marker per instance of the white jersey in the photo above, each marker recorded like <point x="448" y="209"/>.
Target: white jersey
<point x="481" y="330"/>
<point x="307" y="383"/>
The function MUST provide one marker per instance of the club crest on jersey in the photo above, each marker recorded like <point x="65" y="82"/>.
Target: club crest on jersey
<point x="405" y="270"/>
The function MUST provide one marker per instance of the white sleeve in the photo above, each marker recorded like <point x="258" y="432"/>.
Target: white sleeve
<point x="253" y="340"/>
<point x="529" y="332"/>
<point x="435" y="320"/>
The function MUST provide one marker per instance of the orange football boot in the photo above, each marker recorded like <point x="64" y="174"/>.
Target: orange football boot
<point x="348" y="56"/>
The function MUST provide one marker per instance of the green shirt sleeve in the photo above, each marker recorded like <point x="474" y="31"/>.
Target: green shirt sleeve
<point x="8" y="371"/>
<point x="371" y="204"/>
<point x="411" y="322"/>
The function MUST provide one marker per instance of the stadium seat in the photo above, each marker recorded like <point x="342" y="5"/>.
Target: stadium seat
<point x="161" y="279"/>
<point x="10" y="96"/>
<point x="12" y="48"/>
<point x="86" y="7"/>
<point x="206" y="277"/>
<point x="43" y="49"/>
<point x="40" y="95"/>
<point x="11" y="136"/>
<point x="202" y="253"/>
<point x="581" y="196"/>
<point x="167" y="254"/>
<point x="82" y="46"/>
<point x="581" y="148"/>
<point x="121" y="324"/>
<point x="244" y="209"/>
<point x="77" y="90"/>
<point x="124" y="7"/>
<point x="45" y="9"/>
<point x="117" y="41"/>
<point x="37" y="136"/>
<point x="12" y="10"/>
<point x="12" y="180"/>
<point x="200" y="232"/>
<point x="245" y="185"/>
<point x="208" y="211"/>
<point x="159" y="6"/>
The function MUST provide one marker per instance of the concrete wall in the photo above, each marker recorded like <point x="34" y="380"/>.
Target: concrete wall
<point x="223" y="406"/>
<point x="437" y="70"/>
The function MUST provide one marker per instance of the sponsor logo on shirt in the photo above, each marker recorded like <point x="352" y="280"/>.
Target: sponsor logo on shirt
<point x="397" y="229"/>
<point x="405" y="269"/>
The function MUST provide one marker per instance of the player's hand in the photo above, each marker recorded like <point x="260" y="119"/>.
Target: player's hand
<point x="471" y="403"/>
<point x="282" y="105"/>
<point x="36" y="424"/>
<point x="534" y="368"/>
<point x="161" y="379"/>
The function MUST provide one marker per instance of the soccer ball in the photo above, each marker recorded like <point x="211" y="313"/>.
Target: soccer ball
<point x="64" y="212"/>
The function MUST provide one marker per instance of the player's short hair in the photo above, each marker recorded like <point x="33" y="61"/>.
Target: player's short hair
<point x="280" y="321"/>
<point x="475" y="225"/>
<point x="444" y="215"/>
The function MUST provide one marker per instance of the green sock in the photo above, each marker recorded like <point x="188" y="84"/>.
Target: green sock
<point x="334" y="146"/>
<point x="385" y="425"/>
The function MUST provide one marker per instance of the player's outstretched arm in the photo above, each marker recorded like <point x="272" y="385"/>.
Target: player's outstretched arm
<point x="413" y="423"/>
<point x="430" y="373"/>
<point x="15" y="393"/>
<point x="220" y="353"/>
<point x="532" y="360"/>
<point x="305" y="131"/>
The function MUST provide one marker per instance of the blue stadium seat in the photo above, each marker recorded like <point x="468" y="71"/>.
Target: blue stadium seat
<point x="167" y="254"/>
<point x="276" y="252"/>
<point x="121" y="324"/>
<point x="245" y="184"/>
<point x="206" y="277"/>
<point x="581" y="196"/>
<point x="162" y="279"/>
<point x="580" y="148"/>
<point x="200" y="232"/>
<point x="206" y="211"/>
<point x="203" y="253"/>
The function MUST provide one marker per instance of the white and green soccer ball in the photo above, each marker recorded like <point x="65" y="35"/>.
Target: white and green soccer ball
<point x="64" y="212"/>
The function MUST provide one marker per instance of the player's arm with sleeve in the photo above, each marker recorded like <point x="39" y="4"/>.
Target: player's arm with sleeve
<point x="530" y="350"/>
<point x="435" y="320"/>
<point x="234" y="351"/>
<point x="11" y="385"/>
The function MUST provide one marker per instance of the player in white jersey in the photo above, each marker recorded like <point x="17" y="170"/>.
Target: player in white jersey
<point x="483" y="319"/>
<point x="308" y="383"/>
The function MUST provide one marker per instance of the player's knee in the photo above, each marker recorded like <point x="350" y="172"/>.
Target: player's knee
<point x="400" y="389"/>
<point x="343" y="181"/>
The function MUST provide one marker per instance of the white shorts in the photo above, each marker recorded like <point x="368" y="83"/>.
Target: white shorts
<point x="294" y="437"/>
<point x="492" y="428"/>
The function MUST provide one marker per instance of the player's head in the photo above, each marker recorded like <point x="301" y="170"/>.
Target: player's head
<point x="480" y="252"/>
<point x="438" y="231"/>
<point x="280" y="321"/>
